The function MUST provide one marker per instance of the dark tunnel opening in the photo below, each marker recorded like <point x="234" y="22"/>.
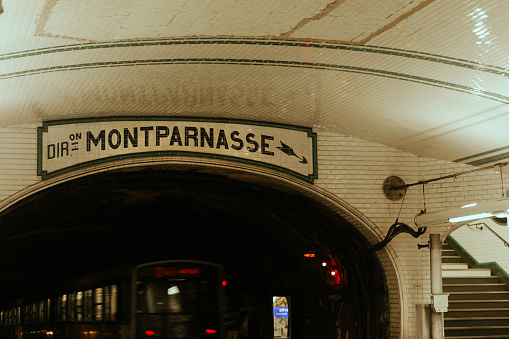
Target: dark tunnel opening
<point x="260" y="234"/>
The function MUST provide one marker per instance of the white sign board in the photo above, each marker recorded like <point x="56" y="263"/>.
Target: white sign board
<point x="67" y="145"/>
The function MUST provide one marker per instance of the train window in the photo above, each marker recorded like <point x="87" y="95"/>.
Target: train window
<point x="79" y="306"/>
<point x="48" y="312"/>
<point x="113" y="303"/>
<point x="44" y="311"/>
<point x="98" y="304"/>
<point x="110" y="303"/>
<point x="107" y="304"/>
<point x="62" y="307"/>
<point x="281" y="317"/>
<point x="26" y="315"/>
<point x="33" y="313"/>
<point x="41" y="313"/>
<point x="71" y="304"/>
<point x="88" y="305"/>
<point x="10" y="317"/>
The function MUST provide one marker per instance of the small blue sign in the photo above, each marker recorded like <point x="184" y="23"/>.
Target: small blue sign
<point x="280" y="312"/>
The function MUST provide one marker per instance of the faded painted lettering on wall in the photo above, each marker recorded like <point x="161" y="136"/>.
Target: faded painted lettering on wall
<point x="68" y="145"/>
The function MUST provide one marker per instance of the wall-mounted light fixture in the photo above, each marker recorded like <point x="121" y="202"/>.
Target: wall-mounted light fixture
<point x="492" y="209"/>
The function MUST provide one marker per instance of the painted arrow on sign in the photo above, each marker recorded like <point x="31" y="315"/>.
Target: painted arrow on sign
<point x="289" y="151"/>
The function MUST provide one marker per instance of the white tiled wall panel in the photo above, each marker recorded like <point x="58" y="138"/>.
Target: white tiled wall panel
<point x="18" y="159"/>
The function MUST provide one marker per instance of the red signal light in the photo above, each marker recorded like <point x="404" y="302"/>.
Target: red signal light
<point x="150" y="333"/>
<point x="223" y="283"/>
<point x="210" y="331"/>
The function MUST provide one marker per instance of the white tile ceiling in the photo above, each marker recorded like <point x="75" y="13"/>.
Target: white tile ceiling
<point x="430" y="77"/>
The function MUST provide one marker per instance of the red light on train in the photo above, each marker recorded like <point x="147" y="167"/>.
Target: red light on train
<point x="161" y="272"/>
<point x="189" y="271"/>
<point x="309" y="255"/>
<point x="152" y="333"/>
<point x="210" y="331"/>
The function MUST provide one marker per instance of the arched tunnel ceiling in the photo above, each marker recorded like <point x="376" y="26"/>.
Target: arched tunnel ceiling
<point x="426" y="76"/>
<point x="123" y="218"/>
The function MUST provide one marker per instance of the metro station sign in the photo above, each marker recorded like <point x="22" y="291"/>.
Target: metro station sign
<point x="72" y="144"/>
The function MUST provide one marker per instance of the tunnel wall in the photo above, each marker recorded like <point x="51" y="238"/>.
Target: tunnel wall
<point x="350" y="177"/>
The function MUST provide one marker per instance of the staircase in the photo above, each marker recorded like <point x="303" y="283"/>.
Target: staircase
<point x="478" y="300"/>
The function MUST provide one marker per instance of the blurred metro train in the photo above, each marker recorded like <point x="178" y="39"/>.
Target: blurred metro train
<point x="164" y="299"/>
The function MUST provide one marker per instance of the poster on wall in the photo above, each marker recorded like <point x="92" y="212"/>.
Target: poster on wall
<point x="281" y="317"/>
<point x="72" y="144"/>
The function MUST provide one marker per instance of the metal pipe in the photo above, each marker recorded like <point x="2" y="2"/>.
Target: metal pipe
<point x="423" y="182"/>
<point x="437" y="318"/>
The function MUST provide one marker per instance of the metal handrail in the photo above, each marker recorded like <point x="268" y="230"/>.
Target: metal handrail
<point x="492" y="231"/>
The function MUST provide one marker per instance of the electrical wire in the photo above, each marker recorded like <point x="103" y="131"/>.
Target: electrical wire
<point x="424" y="198"/>
<point x="502" y="180"/>
<point x="401" y="206"/>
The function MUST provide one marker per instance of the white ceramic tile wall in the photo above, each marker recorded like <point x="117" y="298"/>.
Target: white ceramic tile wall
<point x="353" y="170"/>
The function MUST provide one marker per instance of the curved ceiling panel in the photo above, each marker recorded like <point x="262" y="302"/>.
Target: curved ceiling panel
<point x="428" y="77"/>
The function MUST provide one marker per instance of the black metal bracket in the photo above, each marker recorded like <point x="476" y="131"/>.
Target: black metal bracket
<point x="419" y="246"/>
<point x="394" y="230"/>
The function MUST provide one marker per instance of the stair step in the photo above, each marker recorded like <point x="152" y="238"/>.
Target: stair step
<point x="477" y="337"/>
<point x="449" y="254"/>
<point x="471" y="272"/>
<point x="477" y="313"/>
<point x="479" y="295"/>
<point x="452" y="259"/>
<point x="449" y="288"/>
<point x="470" y="280"/>
<point x="454" y="266"/>
<point x="478" y="301"/>
<point x="473" y="331"/>
<point x="448" y="250"/>
<point x="469" y="322"/>
<point x="482" y="304"/>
